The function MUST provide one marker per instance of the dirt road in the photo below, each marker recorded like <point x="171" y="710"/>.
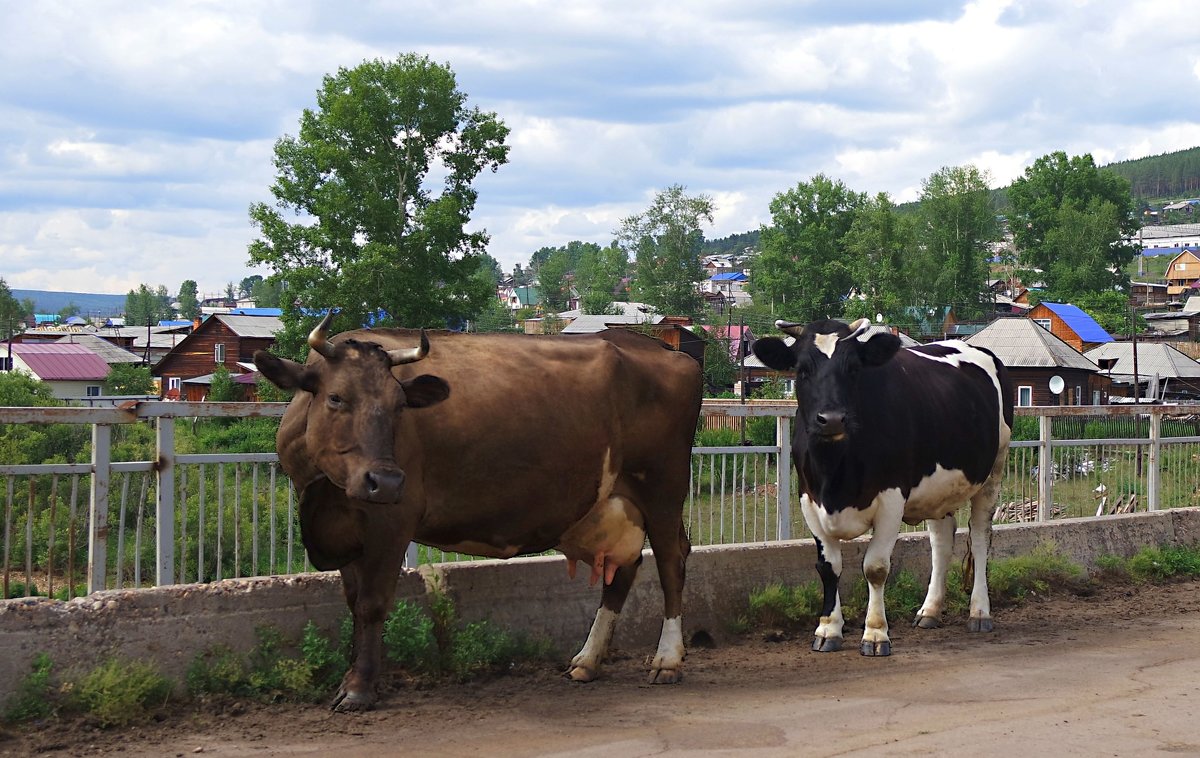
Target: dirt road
<point x="1116" y="673"/>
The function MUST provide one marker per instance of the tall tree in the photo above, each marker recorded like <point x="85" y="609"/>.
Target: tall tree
<point x="803" y="271"/>
<point x="189" y="303"/>
<point x="12" y="312"/>
<point x="1056" y="195"/>
<point x="378" y="240"/>
<point x="554" y="281"/>
<point x="665" y="242"/>
<point x="599" y="276"/>
<point x="146" y="307"/>
<point x="957" y="226"/>
<point x="881" y="245"/>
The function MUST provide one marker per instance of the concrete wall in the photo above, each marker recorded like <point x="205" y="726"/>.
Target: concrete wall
<point x="171" y="625"/>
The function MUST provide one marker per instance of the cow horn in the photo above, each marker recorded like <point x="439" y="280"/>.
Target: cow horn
<point x="790" y="327"/>
<point x="857" y="328"/>
<point x="412" y="354"/>
<point x="316" y="338"/>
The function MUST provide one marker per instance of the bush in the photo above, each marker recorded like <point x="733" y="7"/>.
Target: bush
<point x="120" y="692"/>
<point x="408" y="638"/>
<point x="33" y="698"/>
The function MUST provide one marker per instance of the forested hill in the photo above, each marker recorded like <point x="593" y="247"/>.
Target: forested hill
<point x="1170" y="176"/>
<point x="85" y="304"/>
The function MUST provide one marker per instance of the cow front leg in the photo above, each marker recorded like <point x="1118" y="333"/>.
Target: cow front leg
<point x="877" y="564"/>
<point x="370" y="588"/>
<point x="828" y="636"/>
<point x="585" y="666"/>
<point x="941" y="544"/>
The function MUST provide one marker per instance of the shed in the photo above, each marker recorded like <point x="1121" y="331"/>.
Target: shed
<point x="71" y="371"/>
<point x="1158" y="363"/>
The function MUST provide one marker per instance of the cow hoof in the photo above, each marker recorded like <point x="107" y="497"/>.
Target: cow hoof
<point x="927" y="622"/>
<point x="581" y="674"/>
<point x="876" y="649"/>
<point x="827" y="644"/>
<point x="979" y="624"/>
<point x="665" y="676"/>
<point x="351" y="702"/>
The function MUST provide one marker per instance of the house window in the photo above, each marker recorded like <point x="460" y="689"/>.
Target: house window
<point x="1095" y="397"/>
<point x="93" y="390"/>
<point x="5" y="363"/>
<point x="1078" y="395"/>
<point x="1024" y="396"/>
<point x="173" y="383"/>
<point x="1043" y="322"/>
<point x="219" y="352"/>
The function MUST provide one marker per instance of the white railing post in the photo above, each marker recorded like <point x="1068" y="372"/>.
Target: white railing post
<point x="1153" y="474"/>
<point x="164" y="512"/>
<point x="783" y="475"/>
<point x="1045" y="469"/>
<point x="98" y="506"/>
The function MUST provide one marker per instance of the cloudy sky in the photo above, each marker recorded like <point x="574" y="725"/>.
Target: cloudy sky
<point x="134" y="136"/>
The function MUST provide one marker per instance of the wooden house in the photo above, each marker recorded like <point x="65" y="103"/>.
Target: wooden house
<point x="1070" y="324"/>
<point x="1183" y="273"/>
<point x="1045" y="369"/>
<point x="1161" y="373"/>
<point x="225" y="340"/>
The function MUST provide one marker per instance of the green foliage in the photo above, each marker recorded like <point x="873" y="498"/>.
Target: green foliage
<point x="1035" y="573"/>
<point x="11" y="312"/>
<point x="376" y="239"/>
<point x="217" y="670"/>
<point x="1070" y="220"/>
<point x="129" y="379"/>
<point x="1159" y="564"/>
<point x="409" y="640"/>
<point x="787" y="606"/>
<point x="189" y="303"/>
<point x="804" y="269"/>
<point x="146" y="307"/>
<point x="326" y="661"/>
<point x="956" y="223"/>
<point x="119" y="692"/>
<point x="665" y="242"/>
<point x="223" y="389"/>
<point x="34" y="697"/>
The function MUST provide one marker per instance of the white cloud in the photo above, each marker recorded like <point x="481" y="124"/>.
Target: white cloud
<point x="133" y="137"/>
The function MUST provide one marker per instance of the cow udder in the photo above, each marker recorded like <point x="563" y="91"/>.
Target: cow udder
<point x="611" y="535"/>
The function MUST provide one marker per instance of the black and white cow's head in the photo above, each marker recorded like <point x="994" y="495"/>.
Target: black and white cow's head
<point x="828" y="359"/>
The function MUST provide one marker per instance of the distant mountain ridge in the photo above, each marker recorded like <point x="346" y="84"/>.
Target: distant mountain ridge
<point x="89" y="304"/>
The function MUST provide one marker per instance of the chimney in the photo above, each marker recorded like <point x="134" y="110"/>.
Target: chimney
<point x="195" y="323"/>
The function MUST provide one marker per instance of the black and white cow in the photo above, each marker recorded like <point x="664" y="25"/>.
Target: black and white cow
<point x="884" y="435"/>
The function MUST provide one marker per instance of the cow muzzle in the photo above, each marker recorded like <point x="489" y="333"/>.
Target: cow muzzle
<point x="377" y="485"/>
<point x="830" y="426"/>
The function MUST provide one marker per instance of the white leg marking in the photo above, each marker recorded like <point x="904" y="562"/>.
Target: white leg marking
<point x="941" y="544"/>
<point x="877" y="565"/>
<point x="669" y="657"/>
<point x="586" y="664"/>
<point x="829" y="627"/>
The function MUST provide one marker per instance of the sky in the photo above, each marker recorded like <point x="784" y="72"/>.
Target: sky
<point x="135" y="136"/>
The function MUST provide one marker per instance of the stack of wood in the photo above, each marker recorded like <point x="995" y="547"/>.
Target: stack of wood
<point x="1023" y="511"/>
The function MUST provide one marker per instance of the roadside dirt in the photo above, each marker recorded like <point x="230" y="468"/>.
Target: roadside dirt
<point x="1114" y="673"/>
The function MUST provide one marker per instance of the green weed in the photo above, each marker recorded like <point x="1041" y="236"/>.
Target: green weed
<point x="120" y="692"/>
<point x="34" y="698"/>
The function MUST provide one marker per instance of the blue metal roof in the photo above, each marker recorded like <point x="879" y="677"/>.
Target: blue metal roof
<point x="1153" y="252"/>
<point x="277" y="312"/>
<point x="1081" y="323"/>
<point x="730" y="276"/>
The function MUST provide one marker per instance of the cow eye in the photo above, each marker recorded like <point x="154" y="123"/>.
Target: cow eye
<point x="334" y="400"/>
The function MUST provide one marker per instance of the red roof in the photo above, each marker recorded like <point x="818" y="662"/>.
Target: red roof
<point x="57" y="361"/>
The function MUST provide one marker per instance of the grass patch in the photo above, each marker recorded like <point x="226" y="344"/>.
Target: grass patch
<point x="34" y="698"/>
<point x="1012" y="580"/>
<point x="1153" y="565"/>
<point x="120" y="692"/>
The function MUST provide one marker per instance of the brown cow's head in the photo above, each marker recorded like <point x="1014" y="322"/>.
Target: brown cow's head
<point x="356" y="402"/>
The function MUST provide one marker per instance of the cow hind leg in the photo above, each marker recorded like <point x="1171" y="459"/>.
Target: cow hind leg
<point x="941" y="543"/>
<point x="671" y="548"/>
<point x="983" y="507"/>
<point x="585" y="666"/>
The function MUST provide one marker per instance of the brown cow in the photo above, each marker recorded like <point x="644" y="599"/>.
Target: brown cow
<point x="515" y="445"/>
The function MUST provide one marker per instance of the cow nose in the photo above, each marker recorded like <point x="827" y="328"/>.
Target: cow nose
<point x="831" y="423"/>
<point x="384" y="486"/>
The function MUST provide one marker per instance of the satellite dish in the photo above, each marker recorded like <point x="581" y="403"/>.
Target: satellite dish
<point x="1057" y="385"/>
<point x="878" y="318"/>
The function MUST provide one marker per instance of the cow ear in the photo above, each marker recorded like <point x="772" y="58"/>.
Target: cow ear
<point x="425" y="390"/>
<point x="774" y="353"/>
<point x="284" y="374"/>
<point x="879" y="349"/>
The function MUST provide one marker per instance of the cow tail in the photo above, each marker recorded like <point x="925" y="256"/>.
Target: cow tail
<point x="968" y="571"/>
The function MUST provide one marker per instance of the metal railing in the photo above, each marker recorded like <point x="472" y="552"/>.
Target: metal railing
<point x="203" y="516"/>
